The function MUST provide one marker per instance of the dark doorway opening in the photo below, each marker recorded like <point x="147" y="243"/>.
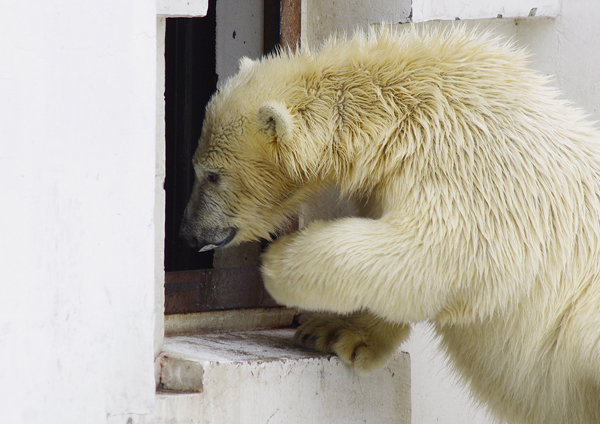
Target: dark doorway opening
<point x="190" y="81"/>
<point x="191" y="283"/>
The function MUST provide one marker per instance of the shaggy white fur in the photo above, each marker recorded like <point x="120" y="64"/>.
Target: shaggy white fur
<point x="482" y="193"/>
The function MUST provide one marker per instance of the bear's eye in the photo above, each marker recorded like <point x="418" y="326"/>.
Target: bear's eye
<point x="212" y="177"/>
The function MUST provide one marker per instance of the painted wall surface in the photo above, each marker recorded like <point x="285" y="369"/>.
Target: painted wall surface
<point x="427" y="10"/>
<point x="321" y="18"/>
<point x="164" y="9"/>
<point x="77" y="162"/>
<point x="565" y="47"/>
<point x="239" y="34"/>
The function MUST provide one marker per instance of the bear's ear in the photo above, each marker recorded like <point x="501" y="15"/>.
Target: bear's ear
<point x="298" y="160"/>
<point x="245" y="63"/>
<point x="275" y="119"/>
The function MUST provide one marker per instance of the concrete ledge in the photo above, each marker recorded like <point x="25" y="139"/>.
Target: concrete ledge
<point x="219" y="321"/>
<point x="181" y="8"/>
<point x="261" y="377"/>
<point x="428" y="10"/>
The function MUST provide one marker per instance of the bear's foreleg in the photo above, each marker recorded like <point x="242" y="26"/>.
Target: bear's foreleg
<point x="355" y="264"/>
<point x="361" y="340"/>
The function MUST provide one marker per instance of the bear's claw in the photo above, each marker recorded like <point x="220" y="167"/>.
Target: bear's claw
<point x="361" y="341"/>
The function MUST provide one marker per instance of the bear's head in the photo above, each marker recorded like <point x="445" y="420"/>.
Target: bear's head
<point x="251" y="173"/>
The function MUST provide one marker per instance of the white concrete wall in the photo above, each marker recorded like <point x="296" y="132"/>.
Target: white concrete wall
<point x="565" y="47"/>
<point x="320" y="18"/>
<point x="164" y="9"/>
<point x="239" y="33"/>
<point x="427" y="10"/>
<point x="77" y="164"/>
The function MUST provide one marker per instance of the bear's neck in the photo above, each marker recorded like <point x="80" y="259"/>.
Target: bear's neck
<point x="360" y="139"/>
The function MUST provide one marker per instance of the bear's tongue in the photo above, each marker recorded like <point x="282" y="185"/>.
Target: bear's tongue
<point x="209" y="247"/>
<point x="213" y="246"/>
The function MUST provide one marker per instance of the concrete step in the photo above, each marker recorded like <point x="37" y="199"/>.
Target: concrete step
<point x="260" y="377"/>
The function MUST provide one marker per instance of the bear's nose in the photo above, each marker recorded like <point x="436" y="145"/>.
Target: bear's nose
<point x="188" y="237"/>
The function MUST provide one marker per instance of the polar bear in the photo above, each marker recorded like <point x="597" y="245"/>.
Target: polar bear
<point x="481" y="199"/>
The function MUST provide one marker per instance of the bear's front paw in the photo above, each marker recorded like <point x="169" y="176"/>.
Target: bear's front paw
<point x="361" y="341"/>
<point x="284" y="273"/>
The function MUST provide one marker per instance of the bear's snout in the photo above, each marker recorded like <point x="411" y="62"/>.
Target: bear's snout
<point x="186" y="234"/>
<point x="202" y="243"/>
